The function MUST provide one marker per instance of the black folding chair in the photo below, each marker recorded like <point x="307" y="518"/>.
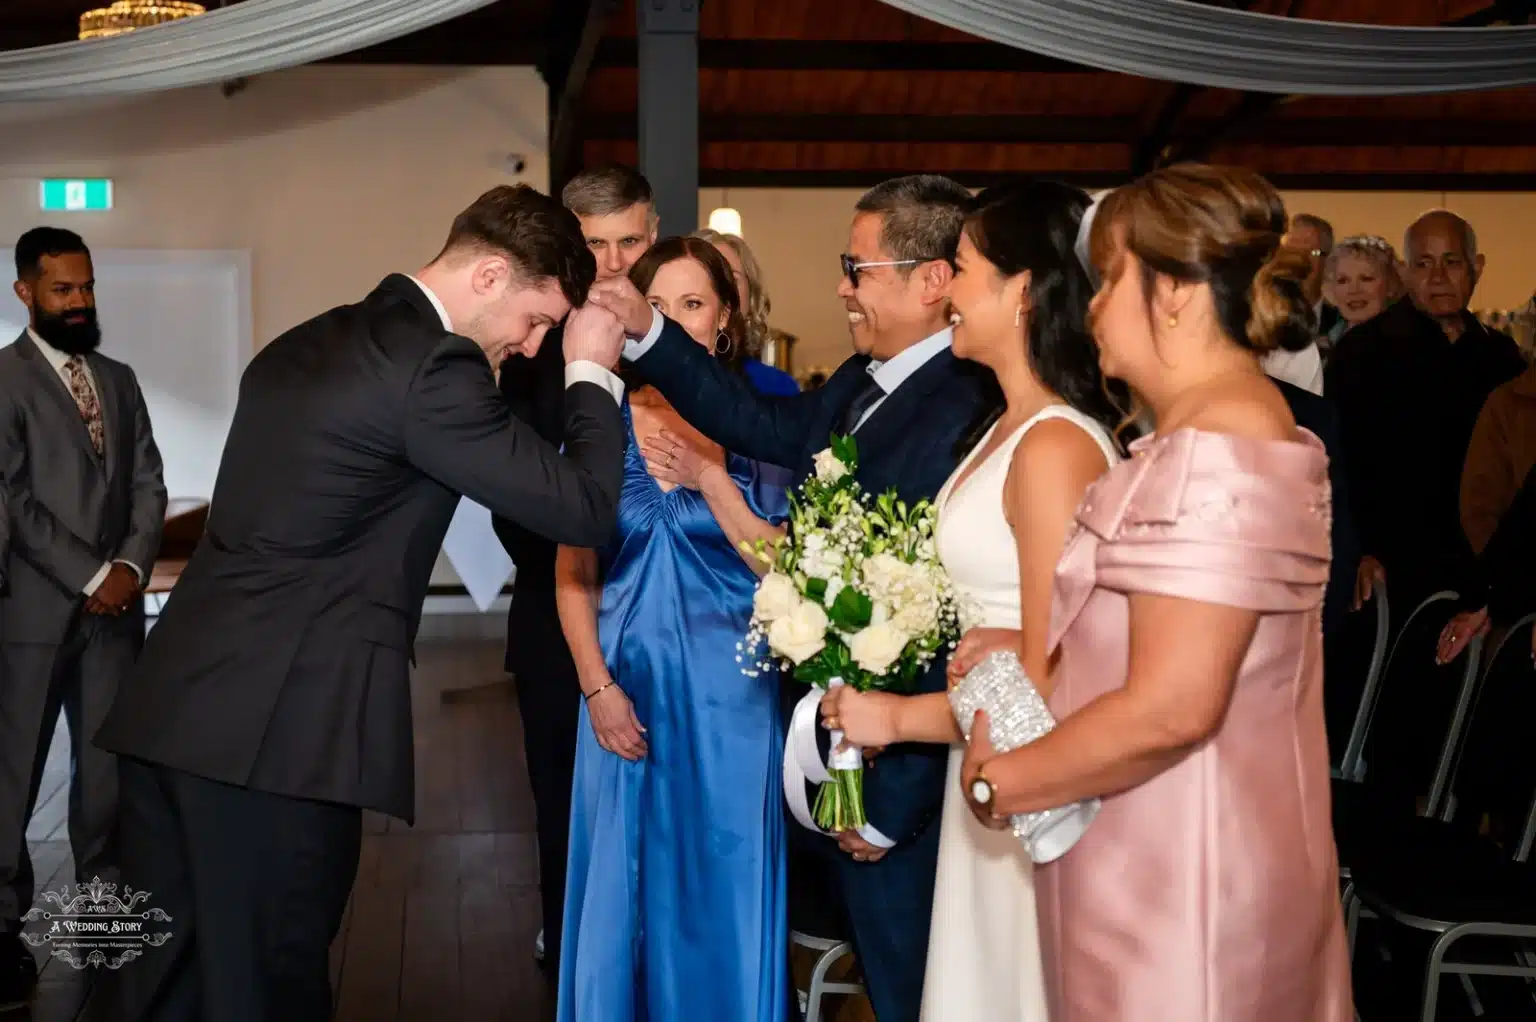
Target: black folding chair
<point x="1351" y="765"/>
<point x="1361" y="827"/>
<point x="1453" y="881"/>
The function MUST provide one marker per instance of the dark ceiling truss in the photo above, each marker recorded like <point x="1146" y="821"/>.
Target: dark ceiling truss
<point x="567" y="62"/>
<point x="1154" y="144"/>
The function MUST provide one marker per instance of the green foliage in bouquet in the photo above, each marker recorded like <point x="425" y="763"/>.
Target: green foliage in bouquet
<point x="854" y="594"/>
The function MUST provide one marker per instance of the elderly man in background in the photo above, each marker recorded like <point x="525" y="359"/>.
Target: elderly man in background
<point x="1408" y="386"/>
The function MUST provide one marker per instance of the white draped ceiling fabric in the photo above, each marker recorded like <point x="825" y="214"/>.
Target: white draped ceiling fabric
<point x="1181" y="41"/>
<point x="249" y="38"/>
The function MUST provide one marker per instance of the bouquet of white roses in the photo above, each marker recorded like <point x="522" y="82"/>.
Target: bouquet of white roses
<point x="854" y="595"/>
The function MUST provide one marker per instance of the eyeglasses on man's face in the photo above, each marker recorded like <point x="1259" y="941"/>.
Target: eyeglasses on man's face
<point x="851" y="268"/>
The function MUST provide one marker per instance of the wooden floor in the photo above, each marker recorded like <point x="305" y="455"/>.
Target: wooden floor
<point x="443" y="917"/>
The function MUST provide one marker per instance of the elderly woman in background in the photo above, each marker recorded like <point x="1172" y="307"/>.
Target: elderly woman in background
<point x="755" y="305"/>
<point x="1360" y="279"/>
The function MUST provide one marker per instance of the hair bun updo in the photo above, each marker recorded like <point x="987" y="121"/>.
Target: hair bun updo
<point x="1278" y="313"/>
<point x="1219" y="226"/>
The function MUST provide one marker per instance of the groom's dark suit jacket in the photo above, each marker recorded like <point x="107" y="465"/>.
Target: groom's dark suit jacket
<point x="909" y="443"/>
<point x="280" y="660"/>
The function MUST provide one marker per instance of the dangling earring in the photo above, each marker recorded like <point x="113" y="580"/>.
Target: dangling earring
<point x="1018" y="315"/>
<point x="1173" y="321"/>
<point x="722" y="351"/>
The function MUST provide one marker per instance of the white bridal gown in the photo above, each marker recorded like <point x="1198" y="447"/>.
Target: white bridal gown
<point x="983" y="948"/>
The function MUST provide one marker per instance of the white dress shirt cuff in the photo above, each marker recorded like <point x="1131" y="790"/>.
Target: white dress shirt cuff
<point x="591" y="372"/>
<point x="97" y="579"/>
<point x="636" y="349"/>
<point x="102" y="572"/>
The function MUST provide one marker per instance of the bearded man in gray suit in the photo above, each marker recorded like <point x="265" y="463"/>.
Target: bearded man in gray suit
<point x="86" y="510"/>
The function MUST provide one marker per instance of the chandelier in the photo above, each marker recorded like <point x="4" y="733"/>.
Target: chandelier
<point x="127" y="15"/>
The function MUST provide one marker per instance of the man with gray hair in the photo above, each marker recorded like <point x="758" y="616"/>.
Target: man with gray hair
<point x="615" y="207"/>
<point x="908" y="400"/>
<point x="1408" y="386"/>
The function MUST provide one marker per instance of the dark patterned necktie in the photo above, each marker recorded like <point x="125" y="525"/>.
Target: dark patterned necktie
<point x="862" y="402"/>
<point x="85" y="399"/>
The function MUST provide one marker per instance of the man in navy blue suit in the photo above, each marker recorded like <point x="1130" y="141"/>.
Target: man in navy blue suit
<point x="911" y="405"/>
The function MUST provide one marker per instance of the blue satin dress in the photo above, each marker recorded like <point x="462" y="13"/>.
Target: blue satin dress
<point x="675" y="905"/>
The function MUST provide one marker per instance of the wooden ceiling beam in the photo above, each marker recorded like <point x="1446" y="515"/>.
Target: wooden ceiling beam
<point x="840" y="55"/>
<point x="838" y="128"/>
<point x="1004" y="129"/>
<point x="1365" y="181"/>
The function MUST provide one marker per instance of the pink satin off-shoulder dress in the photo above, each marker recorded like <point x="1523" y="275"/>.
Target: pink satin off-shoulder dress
<point x="1209" y="893"/>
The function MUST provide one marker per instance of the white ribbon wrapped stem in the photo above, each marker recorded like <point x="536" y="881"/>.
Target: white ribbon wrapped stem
<point x="803" y="763"/>
<point x="840" y="756"/>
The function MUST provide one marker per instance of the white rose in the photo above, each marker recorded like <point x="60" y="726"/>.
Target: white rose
<point x="775" y="598"/>
<point x="801" y="634"/>
<point x="829" y="467"/>
<point x="883" y="571"/>
<point x="876" y="648"/>
<point x="918" y="616"/>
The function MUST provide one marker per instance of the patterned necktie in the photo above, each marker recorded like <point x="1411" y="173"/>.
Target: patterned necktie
<point x="862" y="402"/>
<point x="85" y="400"/>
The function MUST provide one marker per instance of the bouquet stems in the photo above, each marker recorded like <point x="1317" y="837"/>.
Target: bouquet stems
<point x="840" y="802"/>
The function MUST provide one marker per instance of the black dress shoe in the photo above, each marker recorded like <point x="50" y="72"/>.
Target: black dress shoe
<point x="18" y="973"/>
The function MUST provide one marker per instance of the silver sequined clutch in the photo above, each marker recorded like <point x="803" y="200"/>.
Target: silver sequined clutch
<point x="1017" y="715"/>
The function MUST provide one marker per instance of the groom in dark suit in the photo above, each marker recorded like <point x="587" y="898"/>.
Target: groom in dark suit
<point x="910" y="404"/>
<point x="272" y="700"/>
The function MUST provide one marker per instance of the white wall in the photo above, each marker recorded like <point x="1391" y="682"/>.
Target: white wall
<point x="182" y="320"/>
<point x="330" y="177"/>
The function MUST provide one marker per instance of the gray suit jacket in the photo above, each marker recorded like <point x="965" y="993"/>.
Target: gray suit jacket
<point x="70" y="512"/>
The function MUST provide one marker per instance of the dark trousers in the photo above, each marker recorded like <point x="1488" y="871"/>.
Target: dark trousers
<point x="255" y="884"/>
<point x="549" y="700"/>
<point x="890" y="905"/>
<point x="78" y="677"/>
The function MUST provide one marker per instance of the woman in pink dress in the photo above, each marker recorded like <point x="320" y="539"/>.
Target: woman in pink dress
<point x="1186" y="627"/>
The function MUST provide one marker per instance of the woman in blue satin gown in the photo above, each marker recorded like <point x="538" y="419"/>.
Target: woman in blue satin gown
<point x="675" y="902"/>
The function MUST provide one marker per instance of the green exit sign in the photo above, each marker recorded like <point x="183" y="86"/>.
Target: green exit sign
<point x="63" y="195"/>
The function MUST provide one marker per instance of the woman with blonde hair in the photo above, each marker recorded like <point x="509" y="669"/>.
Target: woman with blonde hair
<point x="1185" y="643"/>
<point x="1361" y="277"/>
<point x="755" y="306"/>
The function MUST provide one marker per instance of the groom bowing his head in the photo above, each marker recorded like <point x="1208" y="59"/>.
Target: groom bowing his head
<point x="272" y="702"/>
<point x="910" y="404"/>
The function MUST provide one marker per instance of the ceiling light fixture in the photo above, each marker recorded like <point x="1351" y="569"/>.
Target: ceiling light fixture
<point x="128" y="15"/>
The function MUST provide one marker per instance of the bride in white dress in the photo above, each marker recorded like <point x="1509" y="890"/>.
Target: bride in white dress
<point x="1020" y="300"/>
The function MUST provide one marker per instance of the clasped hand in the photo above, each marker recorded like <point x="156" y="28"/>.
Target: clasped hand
<point x="620" y="297"/>
<point x="593" y="334"/>
<point x="116" y="592"/>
